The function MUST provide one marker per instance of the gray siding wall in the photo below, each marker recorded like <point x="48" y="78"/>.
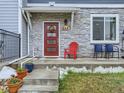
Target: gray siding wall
<point x="80" y="32"/>
<point x="24" y="3"/>
<point x="9" y="21"/>
<point x="24" y="38"/>
<point x="9" y="15"/>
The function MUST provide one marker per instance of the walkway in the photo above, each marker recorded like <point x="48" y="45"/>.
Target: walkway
<point x="40" y="81"/>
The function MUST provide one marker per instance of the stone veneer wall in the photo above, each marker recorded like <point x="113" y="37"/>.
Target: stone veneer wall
<point x="80" y="32"/>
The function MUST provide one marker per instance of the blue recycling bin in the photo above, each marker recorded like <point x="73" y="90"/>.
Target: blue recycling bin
<point x="29" y="67"/>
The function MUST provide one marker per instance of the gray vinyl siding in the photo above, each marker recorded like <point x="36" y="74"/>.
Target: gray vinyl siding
<point x="24" y="38"/>
<point x="9" y="15"/>
<point x="24" y="3"/>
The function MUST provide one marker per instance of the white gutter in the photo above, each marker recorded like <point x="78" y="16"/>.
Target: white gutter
<point x="25" y="62"/>
<point x="14" y="61"/>
<point x="20" y="21"/>
<point x="77" y="5"/>
<point x="17" y="59"/>
<point x="28" y="39"/>
<point x="50" y="9"/>
<point x="23" y="12"/>
<point x="29" y="20"/>
<point x="29" y="26"/>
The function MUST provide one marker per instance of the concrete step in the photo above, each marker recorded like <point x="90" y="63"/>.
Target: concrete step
<point x="42" y="77"/>
<point x="37" y="89"/>
<point x="77" y="65"/>
<point x="42" y="74"/>
<point x="42" y="63"/>
<point x="40" y="81"/>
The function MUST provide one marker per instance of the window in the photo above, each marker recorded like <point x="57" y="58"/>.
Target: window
<point x="104" y="28"/>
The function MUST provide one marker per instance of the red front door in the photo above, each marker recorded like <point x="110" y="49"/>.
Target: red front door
<point x="51" y="45"/>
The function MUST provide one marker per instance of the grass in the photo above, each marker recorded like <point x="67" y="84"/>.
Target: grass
<point x="92" y="83"/>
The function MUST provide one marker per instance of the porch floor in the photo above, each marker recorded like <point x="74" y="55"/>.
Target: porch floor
<point x="78" y="61"/>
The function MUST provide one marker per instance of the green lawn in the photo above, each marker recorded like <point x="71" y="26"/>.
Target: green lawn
<point x="92" y="83"/>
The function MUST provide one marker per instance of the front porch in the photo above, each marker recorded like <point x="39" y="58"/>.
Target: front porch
<point x="43" y="42"/>
<point x="47" y="71"/>
<point x="54" y="63"/>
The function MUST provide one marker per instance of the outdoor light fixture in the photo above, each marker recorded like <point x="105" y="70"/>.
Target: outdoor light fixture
<point x="66" y="26"/>
<point x="51" y="3"/>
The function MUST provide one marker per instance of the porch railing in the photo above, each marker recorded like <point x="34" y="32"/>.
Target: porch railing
<point x="9" y="45"/>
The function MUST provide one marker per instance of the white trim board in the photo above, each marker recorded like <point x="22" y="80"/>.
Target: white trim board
<point x="16" y="60"/>
<point x="43" y="38"/>
<point x="20" y="23"/>
<point x="50" y="9"/>
<point x="77" y="5"/>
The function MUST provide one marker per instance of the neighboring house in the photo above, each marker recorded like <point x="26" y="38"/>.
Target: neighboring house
<point x="10" y="20"/>
<point x="48" y="26"/>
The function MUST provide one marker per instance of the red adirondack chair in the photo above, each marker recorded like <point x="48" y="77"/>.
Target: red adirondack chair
<point x="72" y="50"/>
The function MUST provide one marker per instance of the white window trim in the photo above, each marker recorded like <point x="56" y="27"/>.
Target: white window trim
<point x="117" y="28"/>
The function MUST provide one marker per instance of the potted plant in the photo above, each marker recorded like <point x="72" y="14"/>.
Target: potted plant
<point x="3" y="87"/>
<point x="1" y="91"/>
<point x="29" y="66"/>
<point x="14" y="84"/>
<point x="21" y="72"/>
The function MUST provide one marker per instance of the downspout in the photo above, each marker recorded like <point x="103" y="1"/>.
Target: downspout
<point x="72" y="20"/>
<point x="28" y="40"/>
<point x="30" y="25"/>
<point x="28" y="20"/>
<point x="19" y="30"/>
<point x="20" y="22"/>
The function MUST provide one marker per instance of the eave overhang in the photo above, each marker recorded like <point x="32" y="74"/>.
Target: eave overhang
<point x="50" y="9"/>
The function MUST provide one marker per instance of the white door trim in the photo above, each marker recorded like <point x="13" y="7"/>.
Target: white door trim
<point x="43" y="38"/>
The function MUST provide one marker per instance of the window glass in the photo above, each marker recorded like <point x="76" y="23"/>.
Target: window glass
<point x="110" y="28"/>
<point x="51" y="41"/>
<point x="98" y="28"/>
<point x="51" y="49"/>
<point x="51" y="34"/>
